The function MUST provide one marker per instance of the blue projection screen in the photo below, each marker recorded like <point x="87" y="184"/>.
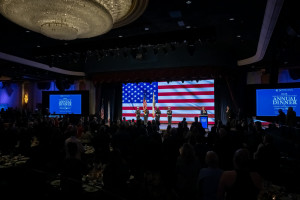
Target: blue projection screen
<point x="65" y="103"/>
<point x="269" y="101"/>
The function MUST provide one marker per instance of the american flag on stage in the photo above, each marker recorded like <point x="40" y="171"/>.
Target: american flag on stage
<point x="144" y="102"/>
<point x="185" y="99"/>
<point x="153" y="106"/>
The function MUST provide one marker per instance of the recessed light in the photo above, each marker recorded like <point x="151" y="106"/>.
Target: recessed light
<point x="188" y="27"/>
<point x="27" y="31"/>
<point x="188" y="2"/>
<point x="146" y="29"/>
<point x="238" y="36"/>
<point x="231" y="19"/>
<point x="120" y="36"/>
<point x="38" y="46"/>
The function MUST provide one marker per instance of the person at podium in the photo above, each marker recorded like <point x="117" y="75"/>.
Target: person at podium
<point x="203" y="112"/>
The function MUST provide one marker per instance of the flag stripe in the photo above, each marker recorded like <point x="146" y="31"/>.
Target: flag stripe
<point x="185" y="86"/>
<point x="209" y="89"/>
<point x="176" y="122"/>
<point x="194" y="93"/>
<point x="174" y="115"/>
<point x="173" y="105"/>
<point x="187" y="97"/>
<point x="195" y="112"/>
<point x="210" y="81"/>
<point x="174" y="119"/>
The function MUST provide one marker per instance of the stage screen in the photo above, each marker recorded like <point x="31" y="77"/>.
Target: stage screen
<point x="185" y="99"/>
<point x="66" y="102"/>
<point x="269" y="101"/>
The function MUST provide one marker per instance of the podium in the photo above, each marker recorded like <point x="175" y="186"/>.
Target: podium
<point x="204" y="121"/>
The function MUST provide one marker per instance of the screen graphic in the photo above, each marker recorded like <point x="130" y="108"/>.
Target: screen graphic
<point x="269" y="101"/>
<point x="65" y="103"/>
<point x="184" y="98"/>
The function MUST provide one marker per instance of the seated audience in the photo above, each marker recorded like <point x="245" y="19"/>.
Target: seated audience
<point x="240" y="183"/>
<point x="209" y="177"/>
<point x="267" y="158"/>
<point x="187" y="170"/>
<point x="72" y="171"/>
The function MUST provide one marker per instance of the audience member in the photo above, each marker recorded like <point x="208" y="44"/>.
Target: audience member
<point x="72" y="132"/>
<point x="291" y="119"/>
<point x="209" y="177"/>
<point x="187" y="170"/>
<point x="72" y="171"/>
<point x="267" y="158"/>
<point x="240" y="183"/>
<point x="281" y="118"/>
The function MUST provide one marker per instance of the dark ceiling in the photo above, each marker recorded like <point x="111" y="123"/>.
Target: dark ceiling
<point x="232" y="27"/>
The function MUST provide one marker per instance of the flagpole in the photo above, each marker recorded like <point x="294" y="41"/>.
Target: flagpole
<point x="153" y="106"/>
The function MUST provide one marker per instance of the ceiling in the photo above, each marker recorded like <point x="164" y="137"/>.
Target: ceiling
<point x="231" y="27"/>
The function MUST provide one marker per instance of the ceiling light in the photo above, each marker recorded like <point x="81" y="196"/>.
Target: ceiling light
<point x="188" y="2"/>
<point x="146" y="29"/>
<point x="120" y="36"/>
<point x="238" y="36"/>
<point x="231" y="19"/>
<point x="71" y="19"/>
<point x="188" y="27"/>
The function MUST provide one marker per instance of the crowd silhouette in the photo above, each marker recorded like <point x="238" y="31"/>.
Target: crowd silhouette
<point x="139" y="161"/>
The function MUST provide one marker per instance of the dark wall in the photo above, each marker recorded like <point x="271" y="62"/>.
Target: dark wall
<point x="149" y="58"/>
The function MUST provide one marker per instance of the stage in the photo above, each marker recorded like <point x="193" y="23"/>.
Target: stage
<point x="164" y="126"/>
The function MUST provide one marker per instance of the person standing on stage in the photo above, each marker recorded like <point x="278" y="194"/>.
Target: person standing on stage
<point x="146" y="114"/>
<point x="157" y="117"/>
<point x="169" y="114"/>
<point x="138" y="114"/>
<point x="203" y="111"/>
<point x="157" y="114"/>
<point x="229" y="115"/>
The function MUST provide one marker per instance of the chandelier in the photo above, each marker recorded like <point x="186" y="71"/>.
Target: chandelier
<point x="71" y="19"/>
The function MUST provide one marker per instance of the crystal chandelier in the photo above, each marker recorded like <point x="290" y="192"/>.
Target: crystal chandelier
<point x="71" y="19"/>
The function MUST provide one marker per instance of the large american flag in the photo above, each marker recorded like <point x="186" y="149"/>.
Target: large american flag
<point x="185" y="99"/>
